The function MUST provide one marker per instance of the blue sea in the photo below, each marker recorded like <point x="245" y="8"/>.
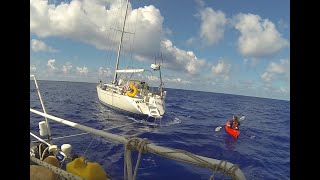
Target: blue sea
<point x="262" y="150"/>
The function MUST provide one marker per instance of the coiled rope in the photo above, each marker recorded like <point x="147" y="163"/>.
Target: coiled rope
<point x="134" y="144"/>
<point x="224" y="170"/>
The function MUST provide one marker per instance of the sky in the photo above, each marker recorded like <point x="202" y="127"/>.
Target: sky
<point x="233" y="47"/>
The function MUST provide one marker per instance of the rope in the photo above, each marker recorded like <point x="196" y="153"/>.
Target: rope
<point x="43" y="153"/>
<point x="135" y="144"/>
<point x="232" y="170"/>
<point x="40" y="153"/>
<point x="141" y="148"/>
<point x="70" y="136"/>
<point x="80" y="134"/>
<point x="223" y="169"/>
<point x="41" y="140"/>
<point x="88" y="147"/>
<point x="212" y="176"/>
<point x="158" y="150"/>
<point x="125" y="162"/>
<point x="56" y="170"/>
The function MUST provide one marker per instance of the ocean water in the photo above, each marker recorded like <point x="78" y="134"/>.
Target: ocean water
<point x="262" y="150"/>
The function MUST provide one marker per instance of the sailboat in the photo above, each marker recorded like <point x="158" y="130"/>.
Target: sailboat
<point x="132" y="94"/>
<point x="51" y="158"/>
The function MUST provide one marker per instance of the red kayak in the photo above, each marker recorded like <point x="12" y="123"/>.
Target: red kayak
<point x="232" y="132"/>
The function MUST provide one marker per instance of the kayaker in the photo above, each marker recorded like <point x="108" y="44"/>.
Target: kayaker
<point x="235" y="123"/>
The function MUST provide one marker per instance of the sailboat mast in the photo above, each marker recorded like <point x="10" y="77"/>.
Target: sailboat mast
<point x="120" y="44"/>
<point x="161" y="82"/>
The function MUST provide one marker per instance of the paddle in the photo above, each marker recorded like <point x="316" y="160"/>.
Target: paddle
<point x="219" y="127"/>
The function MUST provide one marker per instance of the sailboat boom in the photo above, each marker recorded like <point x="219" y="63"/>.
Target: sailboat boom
<point x="130" y="70"/>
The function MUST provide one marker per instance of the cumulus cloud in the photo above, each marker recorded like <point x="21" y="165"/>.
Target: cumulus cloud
<point x="212" y="25"/>
<point x="259" y="37"/>
<point x="222" y="69"/>
<point x="153" y="78"/>
<point x="104" y="72"/>
<point x="282" y="24"/>
<point x="52" y="65"/>
<point x="37" y="46"/>
<point x="33" y="68"/>
<point x="180" y="59"/>
<point x="82" y="71"/>
<point x="275" y="70"/>
<point x="200" y="3"/>
<point x="66" y="67"/>
<point x="167" y="31"/>
<point x="91" y="22"/>
<point x="177" y="81"/>
<point x="191" y="40"/>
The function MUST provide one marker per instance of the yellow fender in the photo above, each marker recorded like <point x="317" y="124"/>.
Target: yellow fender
<point x="133" y="91"/>
<point x="88" y="170"/>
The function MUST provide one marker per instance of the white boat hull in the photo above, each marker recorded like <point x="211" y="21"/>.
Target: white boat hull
<point x="137" y="105"/>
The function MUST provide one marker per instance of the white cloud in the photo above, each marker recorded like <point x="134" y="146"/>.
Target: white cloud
<point x="153" y="78"/>
<point x="91" y="22"/>
<point x="249" y="84"/>
<point x="222" y="69"/>
<point x="66" y="67"/>
<point x="179" y="59"/>
<point x="51" y="65"/>
<point x="37" y="46"/>
<point x="275" y="70"/>
<point x="283" y="90"/>
<point x="82" y="71"/>
<point x="167" y="31"/>
<point x="266" y="76"/>
<point x="275" y="92"/>
<point x="245" y="60"/>
<point x="259" y="38"/>
<point x="33" y="68"/>
<point x="282" y="24"/>
<point x="104" y="72"/>
<point x="177" y="81"/>
<point x="200" y="3"/>
<point x="212" y="25"/>
<point x="191" y="40"/>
